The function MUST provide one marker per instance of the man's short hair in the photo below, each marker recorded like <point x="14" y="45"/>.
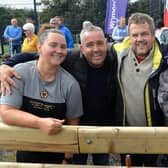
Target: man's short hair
<point x="141" y="18"/>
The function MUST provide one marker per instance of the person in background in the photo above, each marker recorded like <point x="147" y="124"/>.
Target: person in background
<point x="86" y="23"/>
<point x="65" y="30"/>
<point x="48" y="96"/>
<point x="94" y="66"/>
<point x="13" y="34"/>
<point x="120" y="31"/>
<point x="53" y="22"/>
<point x="30" y="20"/>
<point x="31" y="40"/>
<point x="139" y="61"/>
<point x="161" y="34"/>
<point x="159" y="28"/>
<point x="164" y="40"/>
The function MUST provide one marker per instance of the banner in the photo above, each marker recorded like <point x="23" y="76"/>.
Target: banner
<point x="166" y="14"/>
<point x="114" y="10"/>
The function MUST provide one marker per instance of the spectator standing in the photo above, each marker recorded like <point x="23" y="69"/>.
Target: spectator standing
<point x="161" y="34"/>
<point x="164" y="41"/>
<point x="159" y="28"/>
<point x="65" y="30"/>
<point x="31" y="40"/>
<point x="139" y="58"/>
<point x="120" y="31"/>
<point x="52" y="88"/>
<point x="86" y="24"/>
<point x="53" y="22"/>
<point x="13" y="34"/>
<point x="94" y="66"/>
<point x="30" y="20"/>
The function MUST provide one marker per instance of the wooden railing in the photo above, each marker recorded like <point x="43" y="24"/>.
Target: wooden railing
<point x="83" y="139"/>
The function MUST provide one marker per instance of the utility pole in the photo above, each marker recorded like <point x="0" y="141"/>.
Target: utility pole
<point x="36" y="15"/>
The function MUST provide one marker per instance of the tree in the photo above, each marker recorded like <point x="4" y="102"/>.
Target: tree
<point x="6" y="14"/>
<point x="138" y="6"/>
<point x="152" y="7"/>
<point x="75" y="12"/>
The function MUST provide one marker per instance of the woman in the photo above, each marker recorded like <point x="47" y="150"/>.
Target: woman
<point x="48" y="96"/>
<point x="31" y="40"/>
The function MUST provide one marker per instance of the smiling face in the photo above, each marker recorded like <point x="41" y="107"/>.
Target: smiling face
<point x="53" y="50"/>
<point x="28" y="33"/>
<point x="142" y="33"/>
<point x="94" y="47"/>
<point x="142" y="39"/>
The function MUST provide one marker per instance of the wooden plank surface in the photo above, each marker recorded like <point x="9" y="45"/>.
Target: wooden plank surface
<point x="19" y="138"/>
<point x="26" y="165"/>
<point x="85" y="139"/>
<point x="123" y="140"/>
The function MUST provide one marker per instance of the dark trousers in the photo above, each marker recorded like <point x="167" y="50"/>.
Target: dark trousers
<point x="13" y="49"/>
<point x="98" y="159"/>
<point x="141" y="160"/>
<point x="39" y="157"/>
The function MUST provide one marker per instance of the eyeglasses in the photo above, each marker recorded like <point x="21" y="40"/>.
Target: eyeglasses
<point x="53" y="23"/>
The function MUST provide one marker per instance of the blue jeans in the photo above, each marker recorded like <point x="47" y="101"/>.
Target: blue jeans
<point x="98" y="159"/>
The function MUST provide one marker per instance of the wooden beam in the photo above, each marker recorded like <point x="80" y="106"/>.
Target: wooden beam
<point x="123" y="140"/>
<point x="85" y="139"/>
<point x="29" y="165"/>
<point x="19" y="138"/>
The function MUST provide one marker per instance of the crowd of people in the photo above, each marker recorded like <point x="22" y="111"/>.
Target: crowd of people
<point x="25" y="39"/>
<point x="97" y="84"/>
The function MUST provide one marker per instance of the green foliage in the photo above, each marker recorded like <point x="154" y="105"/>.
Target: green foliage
<point x="138" y="6"/>
<point x="75" y="12"/>
<point x="6" y="14"/>
<point x="6" y="48"/>
<point x="151" y="7"/>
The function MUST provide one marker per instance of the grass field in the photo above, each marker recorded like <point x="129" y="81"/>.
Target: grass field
<point x="6" y="48"/>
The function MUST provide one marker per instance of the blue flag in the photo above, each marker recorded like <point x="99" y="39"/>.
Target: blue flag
<point x="114" y="10"/>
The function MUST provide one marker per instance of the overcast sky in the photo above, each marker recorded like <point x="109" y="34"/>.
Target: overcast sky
<point x="18" y="3"/>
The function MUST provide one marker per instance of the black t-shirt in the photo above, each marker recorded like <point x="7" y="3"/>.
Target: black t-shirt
<point x="96" y="106"/>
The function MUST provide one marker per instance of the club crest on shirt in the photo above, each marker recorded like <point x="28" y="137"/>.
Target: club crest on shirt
<point x="44" y="94"/>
